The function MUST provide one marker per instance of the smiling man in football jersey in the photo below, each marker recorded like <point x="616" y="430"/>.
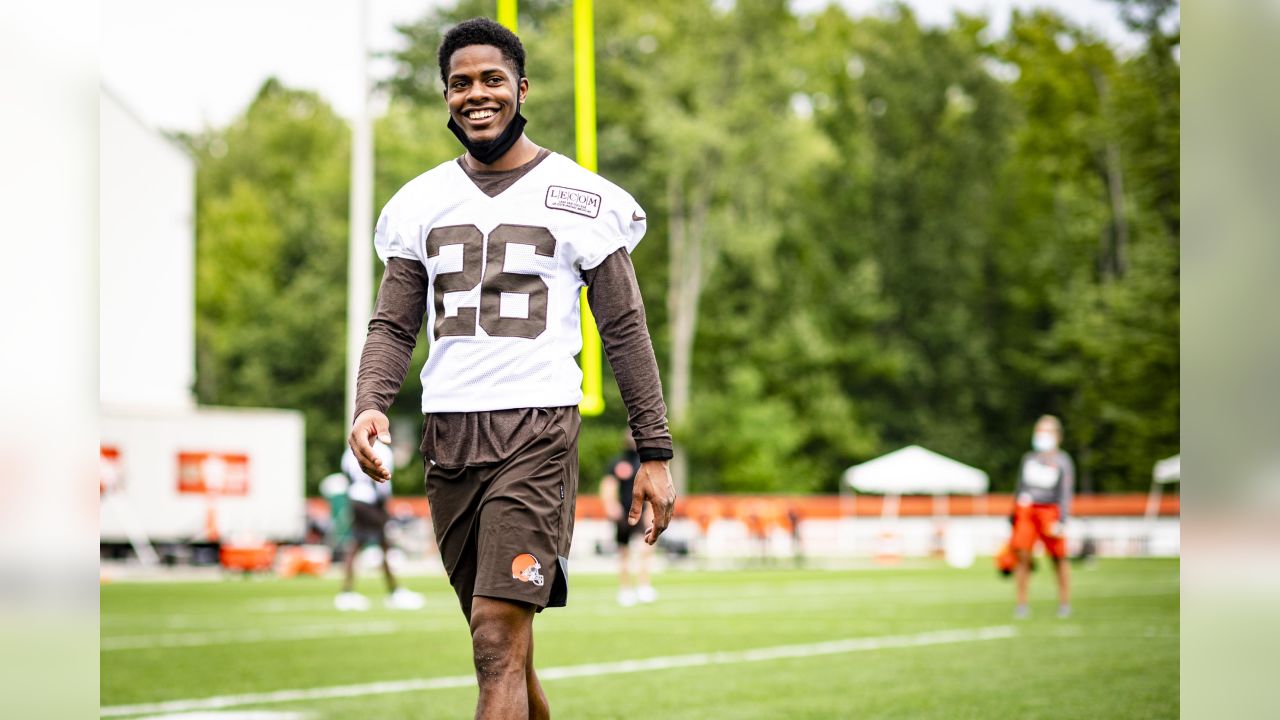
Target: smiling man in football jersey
<point x="493" y="248"/>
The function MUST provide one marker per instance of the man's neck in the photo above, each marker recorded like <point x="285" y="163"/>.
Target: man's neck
<point x="522" y="152"/>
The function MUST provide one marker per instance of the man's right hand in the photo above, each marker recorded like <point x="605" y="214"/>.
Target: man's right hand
<point x="370" y="425"/>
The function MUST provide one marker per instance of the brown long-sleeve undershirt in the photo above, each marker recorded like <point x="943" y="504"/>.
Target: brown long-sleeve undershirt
<point x="614" y="296"/>
<point x="472" y="438"/>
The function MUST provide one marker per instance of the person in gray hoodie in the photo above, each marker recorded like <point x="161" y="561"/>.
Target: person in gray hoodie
<point x="1042" y="504"/>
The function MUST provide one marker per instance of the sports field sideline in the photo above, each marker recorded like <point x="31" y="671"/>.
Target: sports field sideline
<point x="915" y="642"/>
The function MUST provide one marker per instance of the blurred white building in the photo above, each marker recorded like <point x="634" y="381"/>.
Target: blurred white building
<point x="171" y="471"/>
<point x="146" y="265"/>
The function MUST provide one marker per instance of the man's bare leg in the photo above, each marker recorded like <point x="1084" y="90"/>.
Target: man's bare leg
<point x="645" y="552"/>
<point x="1064" y="586"/>
<point x="1022" y="578"/>
<point x="624" y="569"/>
<point x="538" y="707"/>
<point x="349" y="567"/>
<point x="386" y="567"/>
<point x="502" y="644"/>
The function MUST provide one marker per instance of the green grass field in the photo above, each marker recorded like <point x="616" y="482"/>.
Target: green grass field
<point x="934" y="643"/>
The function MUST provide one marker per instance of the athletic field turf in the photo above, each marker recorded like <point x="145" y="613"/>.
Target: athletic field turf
<point x="919" y="642"/>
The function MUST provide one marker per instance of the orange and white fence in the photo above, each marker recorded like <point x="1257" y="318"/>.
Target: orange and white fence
<point x="738" y="527"/>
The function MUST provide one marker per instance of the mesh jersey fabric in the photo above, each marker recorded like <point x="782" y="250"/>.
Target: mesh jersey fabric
<point x="505" y="273"/>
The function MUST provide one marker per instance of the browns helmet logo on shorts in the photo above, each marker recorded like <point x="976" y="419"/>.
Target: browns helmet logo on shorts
<point x="526" y="568"/>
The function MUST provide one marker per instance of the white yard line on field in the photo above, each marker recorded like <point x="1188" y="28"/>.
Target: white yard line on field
<point x="749" y="605"/>
<point x="233" y="715"/>
<point x="230" y="637"/>
<point x="779" y="652"/>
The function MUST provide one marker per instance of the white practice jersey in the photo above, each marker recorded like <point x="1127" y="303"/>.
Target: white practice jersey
<point x="505" y="276"/>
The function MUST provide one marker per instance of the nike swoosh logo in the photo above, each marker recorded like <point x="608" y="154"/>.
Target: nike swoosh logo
<point x="635" y="217"/>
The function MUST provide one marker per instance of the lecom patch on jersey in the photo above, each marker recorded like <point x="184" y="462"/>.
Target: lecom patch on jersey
<point x="574" y="201"/>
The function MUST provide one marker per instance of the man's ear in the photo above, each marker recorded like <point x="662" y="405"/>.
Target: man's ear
<point x="523" y="87"/>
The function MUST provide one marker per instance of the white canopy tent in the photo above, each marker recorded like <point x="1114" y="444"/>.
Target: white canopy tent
<point x="1165" y="471"/>
<point x="913" y="470"/>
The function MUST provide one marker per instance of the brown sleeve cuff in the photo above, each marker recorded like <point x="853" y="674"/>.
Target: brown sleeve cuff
<point x="393" y="332"/>
<point x="618" y="307"/>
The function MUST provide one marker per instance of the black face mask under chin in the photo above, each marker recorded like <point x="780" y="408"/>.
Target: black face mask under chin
<point x="489" y="151"/>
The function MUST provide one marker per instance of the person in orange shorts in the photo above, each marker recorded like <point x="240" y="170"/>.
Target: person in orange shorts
<point x="1041" y="506"/>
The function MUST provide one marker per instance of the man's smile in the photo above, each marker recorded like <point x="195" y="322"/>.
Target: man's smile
<point x="480" y="117"/>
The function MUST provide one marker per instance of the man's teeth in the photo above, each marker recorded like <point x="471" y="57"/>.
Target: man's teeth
<point x="480" y="114"/>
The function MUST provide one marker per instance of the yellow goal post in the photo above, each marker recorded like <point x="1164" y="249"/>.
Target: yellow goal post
<point x="584" y="95"/>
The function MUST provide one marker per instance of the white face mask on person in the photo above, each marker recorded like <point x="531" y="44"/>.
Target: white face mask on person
<point x="1044" y="441"/>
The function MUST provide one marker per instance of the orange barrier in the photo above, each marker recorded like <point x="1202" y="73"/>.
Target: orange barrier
<point x="248" y="558"/>
<point x="775" y="510"/>
<point x="304" y="560"/>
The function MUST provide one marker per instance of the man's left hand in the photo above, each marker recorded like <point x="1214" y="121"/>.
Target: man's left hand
<point x="653" y="485"/>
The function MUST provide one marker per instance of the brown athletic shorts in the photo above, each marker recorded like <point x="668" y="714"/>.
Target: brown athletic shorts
<point x="504" y="528"/>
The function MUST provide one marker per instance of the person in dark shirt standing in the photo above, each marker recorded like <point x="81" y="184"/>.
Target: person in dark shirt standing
<point x="367" y="502"/>
<point x="617" y="491"/>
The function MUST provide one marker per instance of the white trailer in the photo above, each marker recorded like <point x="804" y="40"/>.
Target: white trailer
<point x="202" y="475"/>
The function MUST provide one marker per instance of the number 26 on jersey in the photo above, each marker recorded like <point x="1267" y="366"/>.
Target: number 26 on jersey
<point x="495" y="282"/>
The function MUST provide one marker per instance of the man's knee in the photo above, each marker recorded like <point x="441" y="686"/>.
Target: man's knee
<point x="499" y="641"/>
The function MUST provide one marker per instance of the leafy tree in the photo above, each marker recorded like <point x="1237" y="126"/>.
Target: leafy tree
<point x="868" y="233"/>
<point x="271" y="239"/>
<point x="921" y="129"/>
<point x="863" y="233"/>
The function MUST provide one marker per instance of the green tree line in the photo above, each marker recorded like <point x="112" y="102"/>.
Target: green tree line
<point x="864" y="232"/>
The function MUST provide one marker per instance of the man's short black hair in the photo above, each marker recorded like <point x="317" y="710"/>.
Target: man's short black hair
<point x="480" y="31"/>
